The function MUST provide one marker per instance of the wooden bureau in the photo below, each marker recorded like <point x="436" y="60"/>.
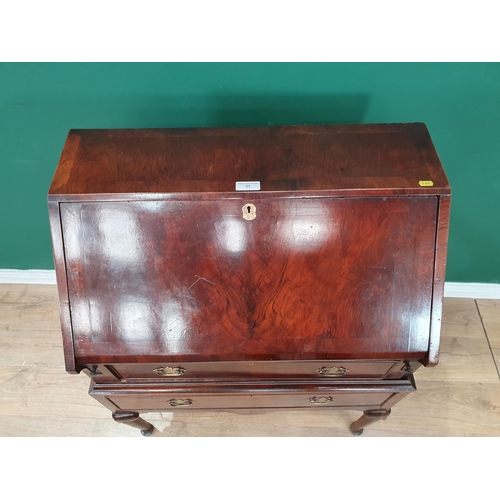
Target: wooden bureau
<point x="250" y="269"/>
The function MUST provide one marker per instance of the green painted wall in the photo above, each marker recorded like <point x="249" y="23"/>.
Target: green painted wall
<point x="460" y="103"/>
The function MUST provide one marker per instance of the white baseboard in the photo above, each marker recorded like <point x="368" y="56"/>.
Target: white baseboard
<point x="472" y="290"/>
<point x="29" y="277"/>
<point x="459" y="290"/>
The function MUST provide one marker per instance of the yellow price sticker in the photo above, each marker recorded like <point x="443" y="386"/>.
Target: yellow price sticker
<point x="426" y="183"/>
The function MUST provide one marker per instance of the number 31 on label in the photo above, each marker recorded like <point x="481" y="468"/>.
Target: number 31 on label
<point x="248" y="186"/>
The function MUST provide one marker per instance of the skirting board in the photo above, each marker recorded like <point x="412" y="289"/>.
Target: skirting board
<point x="472" y="290"/>
<point x="459" y="290"/>
<point x="29" y="277"/>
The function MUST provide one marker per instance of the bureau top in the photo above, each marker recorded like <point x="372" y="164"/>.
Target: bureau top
<point x="309" y="160"/>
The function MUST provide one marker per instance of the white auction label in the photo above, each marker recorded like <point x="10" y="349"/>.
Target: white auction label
<point x="248" y="186"/>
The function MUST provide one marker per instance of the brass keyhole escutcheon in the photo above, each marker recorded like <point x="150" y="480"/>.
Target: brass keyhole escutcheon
<point x="249" y="211"/>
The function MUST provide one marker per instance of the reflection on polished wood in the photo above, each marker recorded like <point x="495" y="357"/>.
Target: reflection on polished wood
<point x="208" y="161"/>
<point x="338" y="259"/>
<point x="458" y="397"/>
<point x="229" y="286"/>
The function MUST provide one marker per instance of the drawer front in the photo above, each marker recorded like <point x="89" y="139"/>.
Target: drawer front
<point x="293" y="396"/>
<point x="325" y="369"/>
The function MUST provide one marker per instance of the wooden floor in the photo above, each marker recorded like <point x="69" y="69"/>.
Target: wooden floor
<point x="459" y="397"/>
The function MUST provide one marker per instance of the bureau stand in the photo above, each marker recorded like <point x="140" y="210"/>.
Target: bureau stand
<point x="250" y="269"/>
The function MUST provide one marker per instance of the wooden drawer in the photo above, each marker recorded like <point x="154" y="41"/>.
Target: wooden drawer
<point x="325" y="369"/>
<point x="244" y="396"/>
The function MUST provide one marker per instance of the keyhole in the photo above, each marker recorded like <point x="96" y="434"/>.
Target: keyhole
<point x="249" y="211"/>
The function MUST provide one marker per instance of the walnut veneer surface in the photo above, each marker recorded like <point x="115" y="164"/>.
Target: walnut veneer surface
<point x="172" y="298"/>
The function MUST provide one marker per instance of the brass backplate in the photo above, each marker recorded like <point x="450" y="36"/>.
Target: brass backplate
<point x="320" y="401"/>
<point x="180" y="402"/>
<point x="333" y="371"/>
<point x="169" y="371"/>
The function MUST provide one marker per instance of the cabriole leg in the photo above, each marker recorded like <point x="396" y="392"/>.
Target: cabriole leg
<point x="369" y="417"/>
<point x="132" y="418"/>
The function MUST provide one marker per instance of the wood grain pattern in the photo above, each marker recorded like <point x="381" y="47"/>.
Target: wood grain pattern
<point x="447" y="409"/>
<point x="443" y="224"/>
<point x="448" y="402"/>
<point x="249" y="370"/>
<point x="490" y="314"/>
<point x="465" y="353"/>
<point x="339" y="256"/>
<point x="384" y="159"/>
<point x="310" y="279"/>
<point x="66" y="162"/>
<point x="44" y="391"/>
<point x="17" y="348"/>
<point x="72" y="366"/>
<point x="296" y="395"/>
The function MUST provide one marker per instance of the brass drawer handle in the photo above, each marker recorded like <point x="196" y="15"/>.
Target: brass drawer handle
<point x="180" y="402"/>
<point x="333" y="371"/>
<point x="168" y="371"/>
<point x="321" y="401"/>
